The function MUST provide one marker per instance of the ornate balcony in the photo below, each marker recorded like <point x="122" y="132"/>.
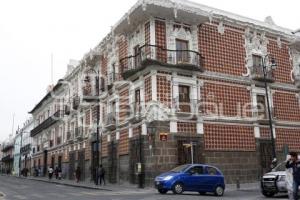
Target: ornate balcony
<point x="155" y="55"/>
<point x="47" y="123"/>
<point x="79" y="133"/>
<point x="111" y="121"/>
<point x="258" y="74"/>
<point x="136" y="112"/>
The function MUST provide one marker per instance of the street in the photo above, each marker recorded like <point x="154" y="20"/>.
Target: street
<point x="15" y="188"/>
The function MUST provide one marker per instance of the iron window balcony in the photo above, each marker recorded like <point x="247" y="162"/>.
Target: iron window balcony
<point x="258" y="74"/>
<point x="156" y="55"/>
<point x="47" y="123"/>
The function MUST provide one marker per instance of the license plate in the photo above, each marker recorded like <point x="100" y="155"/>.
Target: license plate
<point x="269" y="184"/>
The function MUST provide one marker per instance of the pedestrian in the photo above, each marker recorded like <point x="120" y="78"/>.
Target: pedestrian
<point x="56" y="172"/>
<point x="59" y="173"/>
<point x="101" y="175"/>
<point x="77" y="174"/>
<point x="50" y="172"/>
<point x="294" y="163"/>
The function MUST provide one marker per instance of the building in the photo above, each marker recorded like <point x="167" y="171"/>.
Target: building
<point x="8" y="155"/>
<point x="26" y="145"/>
<point x="1" y="155"/>
<point x="17" y="156"/>
<point x="174" y="82"/>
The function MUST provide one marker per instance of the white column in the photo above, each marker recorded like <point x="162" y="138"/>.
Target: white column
<point x="117" y="135"/>
<point x="144" y="129"/>
<point x="173" y="126"/>
<point x="200" y="128"/>
<point x="130" y="133"/>
<point x="154" y="85"/>
<point x="256" y="131"/>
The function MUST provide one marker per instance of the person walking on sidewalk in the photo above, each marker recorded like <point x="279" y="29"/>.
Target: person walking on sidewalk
<point x="77" y="174"/>
<point x="50" y="172"/>
<point x="294" y="164"/>
<point x="101" y="175"/>
<point x="56" y="172"/>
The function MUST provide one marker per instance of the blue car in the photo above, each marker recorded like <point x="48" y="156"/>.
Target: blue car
<point x="191" y="177"/>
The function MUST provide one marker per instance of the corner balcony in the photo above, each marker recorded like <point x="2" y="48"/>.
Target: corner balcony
<point x="47" y="123"/>
<point x="89" y="94"/>
<point x="111" y="121"/>
<point x="257" y="74"/>
<point x="156" y="55"/>
<point x="135" y="112"/>
<point x="79" y="133"/>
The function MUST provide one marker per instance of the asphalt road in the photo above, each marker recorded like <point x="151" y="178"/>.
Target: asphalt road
<point x="16" y="188"/>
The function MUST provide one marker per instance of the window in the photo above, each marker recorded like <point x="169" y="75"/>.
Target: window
<point x="181" y="51"/>
<point x="261" y="106"/>
<point x="257" y="61"/>
<point x="184" y="98"/>
<point x="197" y="170"/>
<point x="211" y="171"/>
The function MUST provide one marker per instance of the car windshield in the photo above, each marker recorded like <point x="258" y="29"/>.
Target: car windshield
<point x="180" y="168"/>
<point x="280" y="167"/>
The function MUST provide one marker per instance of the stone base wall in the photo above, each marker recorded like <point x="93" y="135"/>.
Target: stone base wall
<point x="242" y="166"/>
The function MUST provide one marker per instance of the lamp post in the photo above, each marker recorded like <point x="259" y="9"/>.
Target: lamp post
<point x="271" y="65"/>
<point x="95" y="147"/>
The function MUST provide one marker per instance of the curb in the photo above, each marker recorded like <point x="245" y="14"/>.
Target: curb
<point x="67" y="184"/>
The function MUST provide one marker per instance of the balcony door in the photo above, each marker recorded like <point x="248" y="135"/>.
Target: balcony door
<point x="182" y="47"/>
<point x="184" y="98"/>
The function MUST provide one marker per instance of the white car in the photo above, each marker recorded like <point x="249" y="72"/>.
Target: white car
<point x="274" y="182"/>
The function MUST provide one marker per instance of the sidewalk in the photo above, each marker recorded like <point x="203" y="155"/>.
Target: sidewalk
<point x="90" y="185"/>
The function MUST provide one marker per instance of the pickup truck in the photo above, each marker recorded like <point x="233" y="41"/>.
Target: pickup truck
<point x="274" y="182"/>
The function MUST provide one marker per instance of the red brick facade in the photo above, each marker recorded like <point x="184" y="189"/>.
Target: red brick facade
<point x="282" y="57"/>
<point x="225" y="100"/>
<point x="229" y="138"/>
<point x="124" y="105"/>
<point x="288" y="137"/>
<point x="148" y="89"/>
<point x="186" y="127"/>
<point x="123" y="142"/>
<point x="164" y="90"/>
<point x="287" y="106"/>
<point x="160" y="40"/>
<point x="222" y="53"/>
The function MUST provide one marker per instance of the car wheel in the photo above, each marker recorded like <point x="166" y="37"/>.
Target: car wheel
<point x="178" y="188"/>
<point x="268" y="194"/>
<point x="219" y="191"/>
<point x="202" y="193"/>
<point x="162" y="191"/>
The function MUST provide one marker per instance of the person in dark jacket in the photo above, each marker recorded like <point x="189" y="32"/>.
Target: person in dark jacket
<point x="294" y="163"/>
<point x="77" y="174"/>
<point x="101" y="175"/>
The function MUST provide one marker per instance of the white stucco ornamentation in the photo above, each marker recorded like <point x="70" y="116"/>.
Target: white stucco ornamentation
<point x="279" y="43"/>
<point x="255" y="44"/>
<point x="156" y="111"/>
<point x="221" y="28"/>
<point x="295" y="57"/>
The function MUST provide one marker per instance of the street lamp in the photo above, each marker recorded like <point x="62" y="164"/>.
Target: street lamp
<point x="271" y="65"/>
<point x="95" y="148"/>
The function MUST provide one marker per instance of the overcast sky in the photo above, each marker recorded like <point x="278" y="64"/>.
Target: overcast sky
<point x="33" y="29"/>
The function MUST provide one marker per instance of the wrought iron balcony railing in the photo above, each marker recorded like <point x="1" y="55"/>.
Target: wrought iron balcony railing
<point x="111" y="120"/>
<point x="47" y="123"/>
<point x="258" y="74"/>
<point x="152" y="54"/>
<point x="79" y="132"/>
